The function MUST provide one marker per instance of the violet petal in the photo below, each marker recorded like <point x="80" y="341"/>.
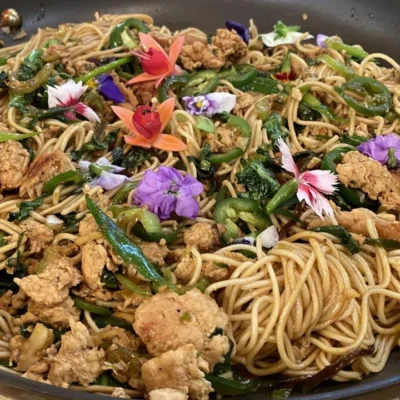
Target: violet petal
<point x="187" y="206"/>
<point x="240" y="29"/>
<point x="109" y="181"/>
<point x="321" y="39"/>
<point x="109" y="90"/>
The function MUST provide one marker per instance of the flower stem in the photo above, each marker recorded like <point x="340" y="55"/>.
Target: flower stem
<point x="103" y="69"/>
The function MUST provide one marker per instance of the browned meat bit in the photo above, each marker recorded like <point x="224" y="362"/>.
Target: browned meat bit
<point x="55" y="52"/>
<point x="39" y="235"/>
<point x="167" y="394"/>
<point x="51" y="286"/>
<point x="12" y="303"/>
<point x="14" y="164"/>
<point x="76" y="361"/>
<point x="162" y="39"/>
<point x="126" y="91"/>
<point x="202" y="235"/>
<point x="362" y="172"/>
<point x="144" y="91"/>
<point x="168" y="321"/>
<point x="27" y="352"/>
<point x="83" y="67"/>
<point x="243" y="102"/>
<point x="185" y="268"/>
<point x="94" y="259"/>
<point x="154" y="252"/>
<point x="57" y="315"/>
<point x="5" y="300"/>
<point x="117" y="336"/>
<point x="181" y="369"/>
<point x="199" y="54"/>
<point x="224" y="139"/>
<point x="43" y="169"/>
<point x="93" y="295"/>
<point x="229" y="44"/>
<point x="88" y="225"/>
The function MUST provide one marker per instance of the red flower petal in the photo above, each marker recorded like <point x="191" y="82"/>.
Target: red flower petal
<point x="147" y="122"/>
<point x="156" y="63"/>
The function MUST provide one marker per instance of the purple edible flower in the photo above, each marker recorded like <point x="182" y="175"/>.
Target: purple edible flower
<point x="166" y="191"/>
<point x="210" y="104"/>
<point x="383" y="148"/>
<point x="109" y="90"/>
<point x="240" y="29"/>
<point x="107" y="173"/>
<point x="321" y="39"/>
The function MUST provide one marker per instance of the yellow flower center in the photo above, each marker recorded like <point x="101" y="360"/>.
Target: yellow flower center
<point x="91" y="84"/>
<point x="199" y="104"/>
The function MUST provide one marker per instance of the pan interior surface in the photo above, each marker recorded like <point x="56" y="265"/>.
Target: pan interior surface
<point x="374" y="25"/>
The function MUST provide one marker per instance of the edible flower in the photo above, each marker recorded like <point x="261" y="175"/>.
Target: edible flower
<point x="166" y="191"/>
<point x="67" y="95"/>
<point x="156" y="64"/>
<point x="269" y="238"/>
<point x="283" y="34"/>
<point x="321" y="39"/>
<point x="105" y="85"/>
<point x="104" y="173"/>
<point x="209" y="104"/>
<point x="383" y="148"/>
<point x="310" y="186"/>
<point x="240" y="29"/>
<point x="146" y="124"/>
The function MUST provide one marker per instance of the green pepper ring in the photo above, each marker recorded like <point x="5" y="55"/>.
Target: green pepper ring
<point x="240" y="75"/>
<point x="202" y="82"/>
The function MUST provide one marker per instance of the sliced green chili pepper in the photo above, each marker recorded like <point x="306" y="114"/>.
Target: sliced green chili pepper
<point x="240" y="75"/>
<point x="200" y="83"/>
<point x="264" y="86"/>
<point x="82" y="304"/>
<point x="129" y="252"/>
<point x="337" y="66"/>
<point x="345" y="237"/>
<point x="357" y="198"/>
<point x="132" y="286"/>
<point x="150" y="228"/>
<point x="74" y="177"/>
<point x="353" y="140"/>
<point x="108" y="279"/>
<point x="176" y="81"/>
<point x="263" y="109"/>
<point x="377" y="99"/>
<point x="332" y="158"/>
<point x="30" y="85"/>
<point x="230" y="387"/>
<point x="353" y="51"/>
<point x="231" y="210"/>
<point x="285" y="193"/>
<point x="122" y="194"/>
<point x="5" y="136"/>
<point x="244" y="128"/>
<point x="103" y="69"/>
<point x="324" y="110"/>
<point x="385" y="243"/>
<point x="128" y="40"/>
<point x="102" y="322"/>
<point x="131" y="23"/>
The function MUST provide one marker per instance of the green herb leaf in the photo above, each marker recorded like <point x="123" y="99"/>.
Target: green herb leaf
<point x="25" y="208"/>
<point x="276" y="129"/>
<point x="282" y="30"/>
<point x="5" y="136"/>
<point x="204" y="124"/>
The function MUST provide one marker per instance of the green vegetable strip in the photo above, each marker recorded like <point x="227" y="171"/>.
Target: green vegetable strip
<point x="129" y="252"/>
<point x="345" y="237"/>
<point x="92" y="308"/>
<point x="132" y="286"/>
<point x="337" y="66"/>
<point x="285" y="193"/>
<point x="32" y="84"/>
<point x="103" y="69"/>
<point x="350" y="50"/>
<point x="5" y="136"/>
<point x="324" y="110"/>
<point x="65" y="177"/>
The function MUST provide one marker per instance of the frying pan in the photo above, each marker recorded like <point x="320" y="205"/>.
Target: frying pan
<point x="373" y="24"/>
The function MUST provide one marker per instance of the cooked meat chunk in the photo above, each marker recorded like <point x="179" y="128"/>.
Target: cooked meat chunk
<point x="199" y="54"/>
<point x="217" y="273"/>
<point x="5" y="300"/>
<point x="37" y="371"/>
<point x="120" y="393"/>
<point x="94" y="259"/>
<point x="125" y="90"/>
<point x="93" y="295"/>
<point x="57" y="315"/>
<point x="202" y="235"/>
<point x="223" y="139"/>
<point x="75" y="361"/>
<point x="88" y="225"/>
<point x="14" y="164"/>
<point x="355" y="222"/>
<point x="167" y="394"/>
<point x="144" y="91"/>
<point x="13" y="302"/>
<point x="43" y="169"/>
<point x="185" y="268"/>
<point x="168" y="321"/>
<point x="51" y="286"/>
<point x="39" y="235"/>
<point x="243" y="101"/>
<point x="362" y="172"/>
<point x="118" y="336"/>
<point x="155" y="252"/>
<point x="229" y="44"/>
<point x="181" y="369"/>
